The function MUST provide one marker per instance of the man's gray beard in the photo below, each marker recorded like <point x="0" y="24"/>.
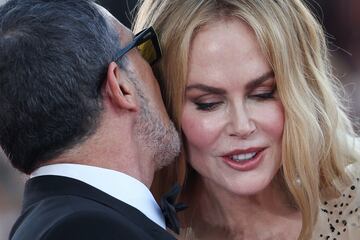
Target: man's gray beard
<point x="162" y="141"/>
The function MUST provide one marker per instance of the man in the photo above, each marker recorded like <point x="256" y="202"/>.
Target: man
<point x="81" y="112"/>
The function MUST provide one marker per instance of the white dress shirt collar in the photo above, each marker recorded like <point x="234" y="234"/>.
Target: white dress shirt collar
<point x="114" y="183"/>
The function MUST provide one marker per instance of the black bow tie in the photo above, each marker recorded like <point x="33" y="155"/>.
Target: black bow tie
<point x="169" y="208"/>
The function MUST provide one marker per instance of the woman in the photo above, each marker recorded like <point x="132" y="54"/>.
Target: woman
<point x="270" y="150"/>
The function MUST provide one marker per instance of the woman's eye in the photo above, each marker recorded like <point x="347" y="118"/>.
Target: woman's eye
<point x="265" y="95"/>
<point x="206" y="106"/>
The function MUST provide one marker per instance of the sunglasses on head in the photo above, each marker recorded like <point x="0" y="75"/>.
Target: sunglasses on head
<point x="147" y="43"/>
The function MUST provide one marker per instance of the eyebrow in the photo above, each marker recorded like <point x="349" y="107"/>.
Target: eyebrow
<point x="205" y="88"/>
<point x="251" y="85"/>
<point x="257" y="81"/>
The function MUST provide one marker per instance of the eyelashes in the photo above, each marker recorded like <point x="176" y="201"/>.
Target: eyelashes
<point x="264" y="96"/>
<point x="210" y="106"/>
<point x="206" y="106"/>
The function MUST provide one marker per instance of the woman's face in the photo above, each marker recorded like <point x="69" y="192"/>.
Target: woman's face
<point x="232" y="118"/>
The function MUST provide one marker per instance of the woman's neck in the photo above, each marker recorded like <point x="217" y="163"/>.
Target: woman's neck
<point x="215" y="213"/>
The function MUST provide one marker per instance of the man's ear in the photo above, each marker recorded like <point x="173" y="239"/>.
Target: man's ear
<point x="118" y="88"/>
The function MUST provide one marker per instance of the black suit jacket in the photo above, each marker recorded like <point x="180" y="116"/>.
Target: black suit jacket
<point x="63" y="208"/>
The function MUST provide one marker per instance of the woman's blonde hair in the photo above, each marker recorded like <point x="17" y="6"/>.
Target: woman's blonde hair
<point x="315" y="149"/>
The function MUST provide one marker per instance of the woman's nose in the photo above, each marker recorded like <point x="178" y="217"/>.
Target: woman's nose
<point x="241" y="123"/>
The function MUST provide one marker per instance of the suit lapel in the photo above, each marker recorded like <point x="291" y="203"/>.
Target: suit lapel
<point x="42" y="187"/>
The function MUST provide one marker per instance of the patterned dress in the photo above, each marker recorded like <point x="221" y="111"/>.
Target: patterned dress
<point x="340" y="218"/>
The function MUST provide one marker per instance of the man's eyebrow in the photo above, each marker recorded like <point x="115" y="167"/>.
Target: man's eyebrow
<point x="259" y="80"/>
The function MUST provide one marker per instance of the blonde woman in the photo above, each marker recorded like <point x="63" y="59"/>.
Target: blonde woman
<point x="270" y="152"/>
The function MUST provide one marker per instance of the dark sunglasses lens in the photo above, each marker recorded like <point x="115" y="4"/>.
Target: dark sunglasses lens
<point x="148" y="51"/>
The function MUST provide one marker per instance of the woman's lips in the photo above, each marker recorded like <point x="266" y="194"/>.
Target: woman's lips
<point x="244" y="160"/>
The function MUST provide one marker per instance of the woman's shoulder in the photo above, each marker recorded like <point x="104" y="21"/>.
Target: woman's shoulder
<point x="340" y="218"/>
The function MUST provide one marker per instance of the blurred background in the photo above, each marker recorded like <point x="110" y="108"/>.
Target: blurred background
<point x="341" y="20"/>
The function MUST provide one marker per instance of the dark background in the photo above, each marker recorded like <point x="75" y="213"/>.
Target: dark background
<point x="121" y="9"/>
<point x="341" y="20"/>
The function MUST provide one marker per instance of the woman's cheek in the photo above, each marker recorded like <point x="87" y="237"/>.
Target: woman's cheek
<point x="201" y="129"/>
<point x="270" y="118"/>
